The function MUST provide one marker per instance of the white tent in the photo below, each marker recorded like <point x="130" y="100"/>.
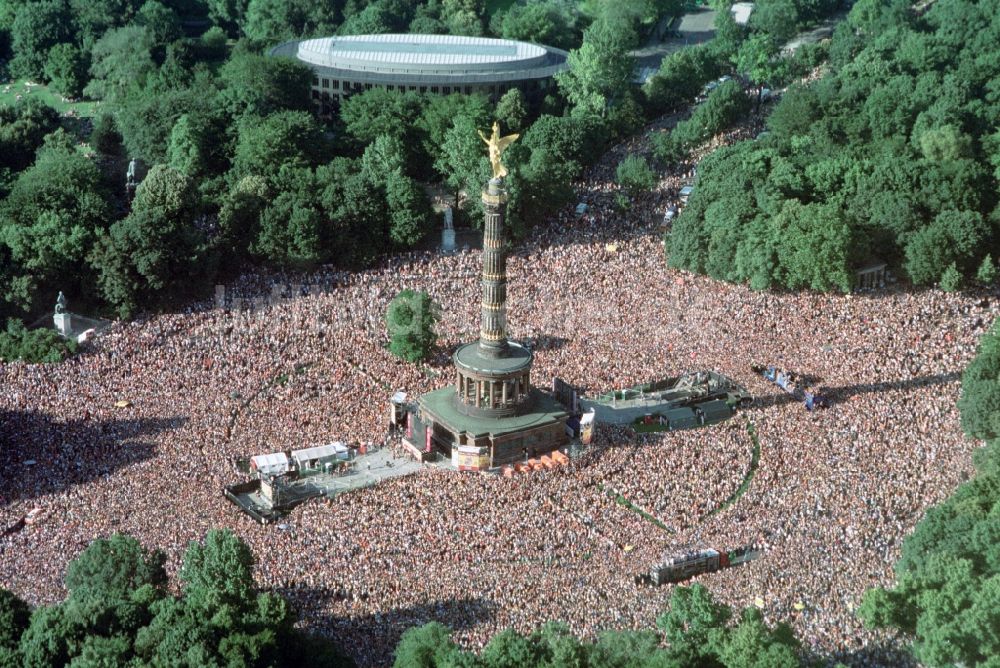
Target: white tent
<point x="273" y="464"/>
<point x="319" y="455"/>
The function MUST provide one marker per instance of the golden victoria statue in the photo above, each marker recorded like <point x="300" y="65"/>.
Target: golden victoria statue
<point x="497" y="146"/>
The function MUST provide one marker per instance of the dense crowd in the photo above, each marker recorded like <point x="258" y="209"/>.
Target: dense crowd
<point x="833" y="495"/>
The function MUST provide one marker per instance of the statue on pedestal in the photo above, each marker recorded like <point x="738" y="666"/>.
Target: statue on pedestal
<point x="130" y="182"/>
<point x="61" y="318"/>
<point x="497" y="146"/>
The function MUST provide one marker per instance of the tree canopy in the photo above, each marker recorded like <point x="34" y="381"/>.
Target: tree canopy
<point x="886" y="156"/>
<point x="948" y="576"/>
<point x="698" y="632"/>
<point x="411" y="317"/>
<point x="118" y="612"/>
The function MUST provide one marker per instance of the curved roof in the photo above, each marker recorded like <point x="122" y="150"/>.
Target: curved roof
<point x="415" y="57"/>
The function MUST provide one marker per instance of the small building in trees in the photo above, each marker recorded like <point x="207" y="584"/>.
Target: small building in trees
<point x="870" y="275"/>
<point x="438" y="64"/>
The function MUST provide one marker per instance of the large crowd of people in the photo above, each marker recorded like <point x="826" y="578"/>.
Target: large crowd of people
<point x="139" y="433"/>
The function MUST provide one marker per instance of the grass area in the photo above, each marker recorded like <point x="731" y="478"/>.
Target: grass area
<point x="78" y="124"/>
<point x="10" y="90"/>
<point x="748" y="478"/>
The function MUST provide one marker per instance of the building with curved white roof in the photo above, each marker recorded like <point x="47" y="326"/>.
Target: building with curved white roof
<point x="441" y="64"/>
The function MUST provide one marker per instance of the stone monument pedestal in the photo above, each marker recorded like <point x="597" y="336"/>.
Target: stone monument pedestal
<point x="63" y="323"/>
<point x="448" y="241"/>
<point x="448" y="233"/>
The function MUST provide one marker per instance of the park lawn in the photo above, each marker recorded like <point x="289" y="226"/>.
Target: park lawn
<point x="10" y="90"/>
<point x="72" y="124"/>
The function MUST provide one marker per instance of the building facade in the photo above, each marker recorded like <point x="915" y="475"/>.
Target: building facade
<point x="436" y="64"/>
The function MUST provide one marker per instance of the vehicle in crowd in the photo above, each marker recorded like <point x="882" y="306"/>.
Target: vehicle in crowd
<point x="686" y="565"/>
<point x="796" y="386"/>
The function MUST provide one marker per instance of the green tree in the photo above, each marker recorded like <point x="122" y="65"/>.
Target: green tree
<point x="260" y="85"/>
<point x="381" y="16"/>
<point x="161" y="22"/>
<point x="38" y="27"/>
<point x="239" y="216"/>
<point x="357" y="212"/>
<point x="212" y="45"/>
<point x="118" y="613"/>
<point x="291" y="232"/>
<point x="436" y="118"/>
<point x="463" y="161"/>
<point x="120" y="60"/>
<point x="411" y="318"/>
<point x="728" y="34"/>
<point x="987" y="272"/>
<point x="952" y="237"/>
<point x="15" y="616"/>
<point x="979" y="404"/>
<point x="948" y="575"/>
<point x="509" y="649"/>
<point x="36" y="346"/>
<point x="615" y="649"/>
<point x="681" y="77"/>
<point x="66" y="69"/>
<point x="147" y="117"/>
<point x="751" y="644"/>
<point x="269" y="22"/>
<point x="49" y="220"/>
<point x="194" y="148"/>
<point x="115" y="567"/>
<point x="512" y="110"/>
<point x="228" y="14"/>
<point x="46" y="641"/>
<point x="757" y="56"/>
<point x="264" y="146"/>
<point x="692" y="623"/>
<point x="411" y="217"/>
<point x="945" y="143"/>
<point x="380" y="112"/>
<point x="601" y="70"/>
<point x="384" y="159"/>
<point x="218" y="576"/>
<point x="424" y="646"/>
<point x="155" y="250"/>
<point x="23" y="126"/>
<point x="96" y="17"/>
<point x="778" y="19"/>
<point x="634" y="174"/>
<point x="463" y="17"/>
<point x="951" y="279"/>
<point x="551" y="22"/>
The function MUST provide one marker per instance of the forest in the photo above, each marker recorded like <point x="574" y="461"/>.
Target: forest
<point x="238" y="172"/>
<point x="892" y="155"/>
